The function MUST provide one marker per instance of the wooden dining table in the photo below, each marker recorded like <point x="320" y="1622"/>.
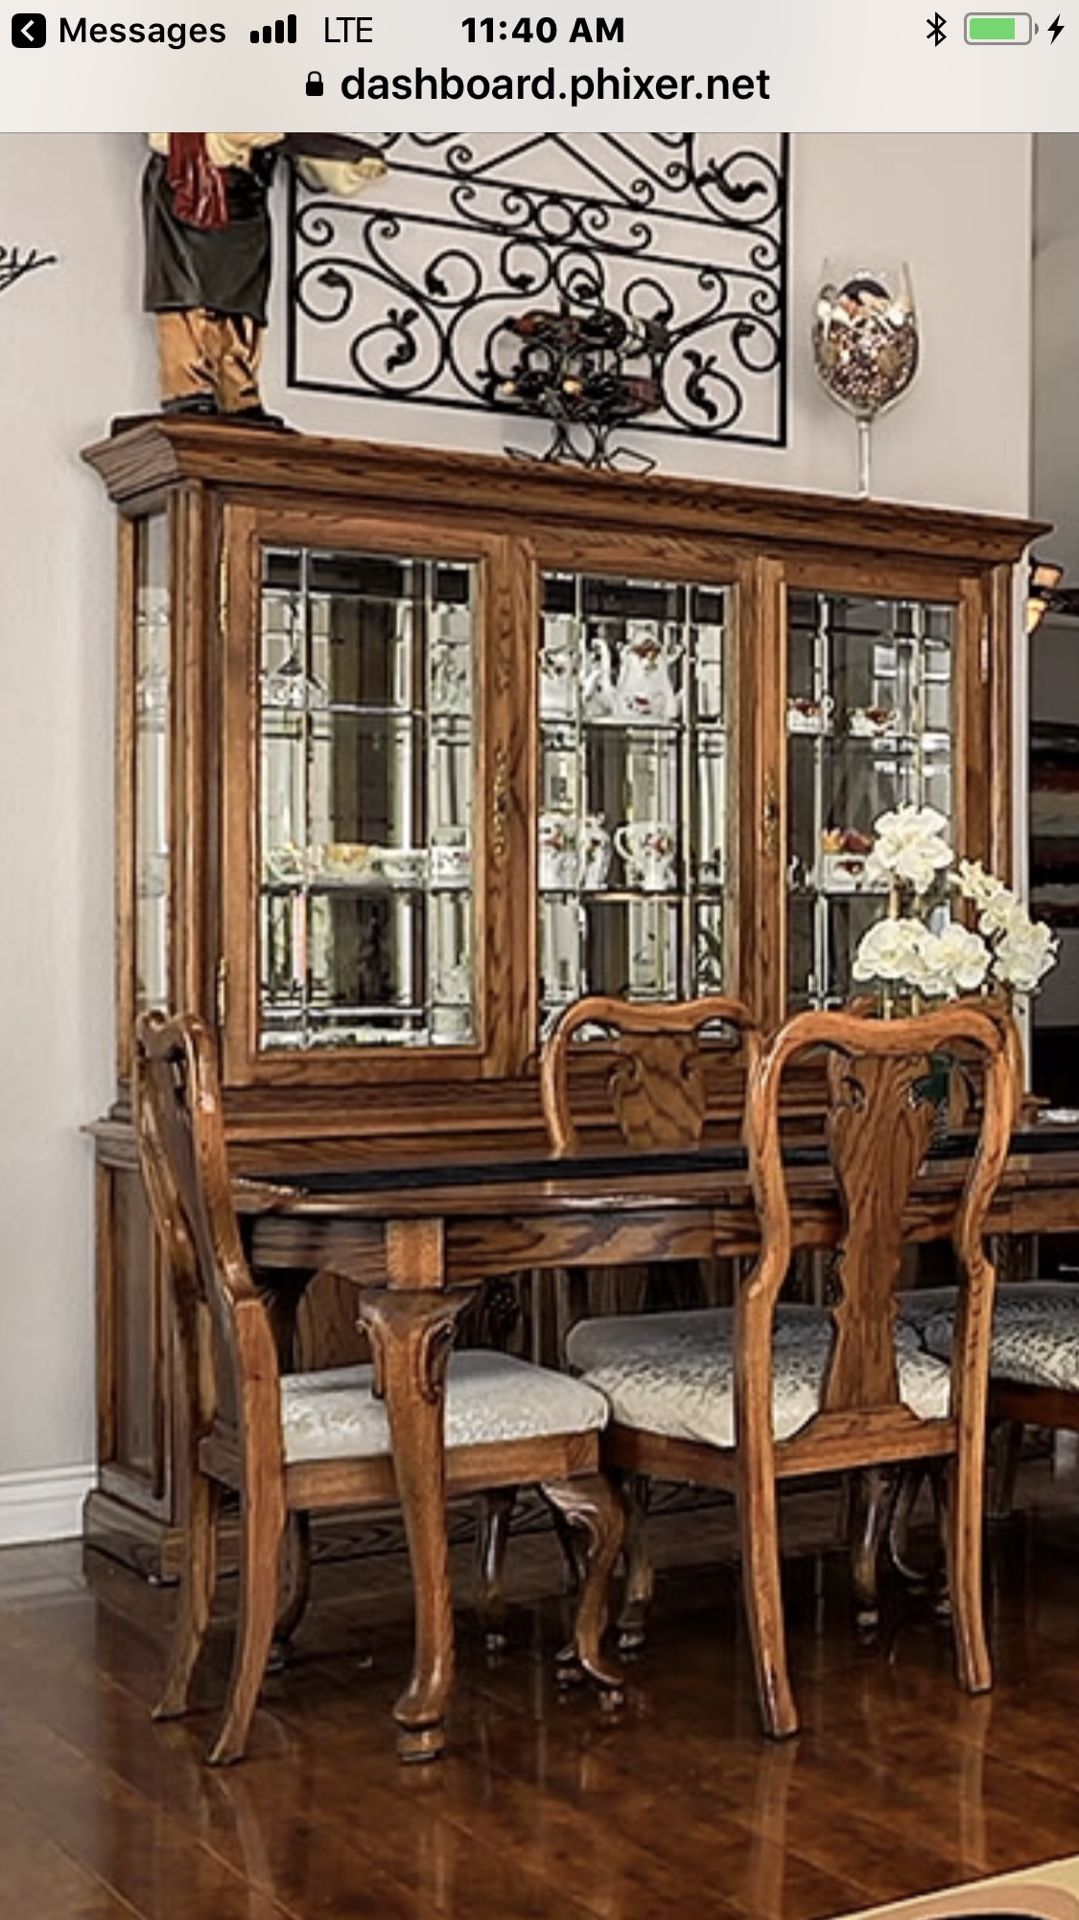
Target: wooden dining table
<point x="419" y="1240"/>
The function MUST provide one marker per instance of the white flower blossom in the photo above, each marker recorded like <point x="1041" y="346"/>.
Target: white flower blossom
<point x="998" y="915"/>
<point x="887" y="950"/>
<point x="974" y="883"/>
<point x="909" y="848"/>
<point x="953" y="960"/>
<point x="1008" y="949"/>
<point x="1025" y="953"/>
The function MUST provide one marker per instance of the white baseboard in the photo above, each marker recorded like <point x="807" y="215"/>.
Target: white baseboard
<point x="43" y="1505"/>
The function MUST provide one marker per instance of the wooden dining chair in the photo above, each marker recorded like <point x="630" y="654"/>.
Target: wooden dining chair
<point x="295" y="1444"/>
<point x="654" y="1060"/>
<point x="762" y="1398"/>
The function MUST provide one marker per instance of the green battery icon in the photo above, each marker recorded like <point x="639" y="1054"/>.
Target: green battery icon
<point x="999" y="29"/>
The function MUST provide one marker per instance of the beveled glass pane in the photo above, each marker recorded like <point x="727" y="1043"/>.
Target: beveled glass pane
<point x="636" y="948"/>
<point x="152" y="823"/>
<point x="367" y="769"/>
<point x="869" y="724"/>
<point x="633" y="776"/>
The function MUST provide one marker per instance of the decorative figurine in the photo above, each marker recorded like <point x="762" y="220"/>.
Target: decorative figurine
<point x="208" y="252"/>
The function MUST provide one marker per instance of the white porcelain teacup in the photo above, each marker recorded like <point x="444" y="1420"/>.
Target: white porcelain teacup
<point x="873" y="723"/>
<point x="649" y="850"/>
<point x="557" y="838"/>
<point x="806" y="715"/>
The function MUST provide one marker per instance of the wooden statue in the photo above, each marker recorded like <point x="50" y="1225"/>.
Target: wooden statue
<point x="208" y="253"/>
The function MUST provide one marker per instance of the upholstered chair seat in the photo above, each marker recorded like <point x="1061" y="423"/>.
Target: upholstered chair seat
<point x="1035" y="1339"/>
<point x="673" y="1373"/>
<point x="491" y="1398"/>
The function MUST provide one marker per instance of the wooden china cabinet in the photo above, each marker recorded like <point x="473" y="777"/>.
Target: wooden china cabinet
<point x="415" y="747"/>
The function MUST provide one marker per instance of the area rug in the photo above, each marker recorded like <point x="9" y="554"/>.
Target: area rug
<point x="1038" y="1893"/>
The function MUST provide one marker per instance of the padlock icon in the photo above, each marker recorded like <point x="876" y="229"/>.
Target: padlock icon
<point x="314" y="83"/>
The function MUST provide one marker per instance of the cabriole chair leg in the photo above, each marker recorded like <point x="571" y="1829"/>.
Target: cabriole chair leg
<point x="496" y="1512"/>
<point x="592" y="1504"/>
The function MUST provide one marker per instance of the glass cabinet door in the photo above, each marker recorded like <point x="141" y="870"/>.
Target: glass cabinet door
<point x="870" y="708"/>
<point x="366" y="767"/>
<point x="632" y="809"/>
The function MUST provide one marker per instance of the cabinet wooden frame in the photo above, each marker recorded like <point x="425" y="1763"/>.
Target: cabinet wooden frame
<point x="223" y="489"/>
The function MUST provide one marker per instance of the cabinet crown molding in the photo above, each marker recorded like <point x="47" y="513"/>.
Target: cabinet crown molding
<point x="159" y="454"/>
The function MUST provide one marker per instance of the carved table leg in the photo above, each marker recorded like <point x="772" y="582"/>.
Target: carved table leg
<point x="411" y="1336"/>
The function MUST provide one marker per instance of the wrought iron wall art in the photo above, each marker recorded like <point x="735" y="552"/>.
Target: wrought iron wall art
<point x="413" y="294"/>
<point x="15" y="265"/>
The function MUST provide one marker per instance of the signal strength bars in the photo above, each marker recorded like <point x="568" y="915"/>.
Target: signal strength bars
<point x="279" y="30"/>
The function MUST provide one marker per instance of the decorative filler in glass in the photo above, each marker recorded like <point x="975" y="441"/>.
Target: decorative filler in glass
<point x="572" y="371"/>
<point x="416" y="297"/>
<point x="920" y="951"/>
<point x="865" y="343"/>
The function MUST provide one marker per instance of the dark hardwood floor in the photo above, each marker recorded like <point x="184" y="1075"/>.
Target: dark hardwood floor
<point x="543" y="1805"/>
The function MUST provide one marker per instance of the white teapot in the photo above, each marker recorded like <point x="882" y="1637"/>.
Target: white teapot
<point x="646" y="689"/>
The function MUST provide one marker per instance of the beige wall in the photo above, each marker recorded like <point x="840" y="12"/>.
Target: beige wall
<point x="74" y="350"/>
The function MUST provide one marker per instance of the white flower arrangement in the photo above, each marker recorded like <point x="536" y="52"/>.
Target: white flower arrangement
<point x="928" y="952"/>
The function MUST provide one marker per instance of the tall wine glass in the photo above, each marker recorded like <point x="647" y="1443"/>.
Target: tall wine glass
<point x="865" y="341"/>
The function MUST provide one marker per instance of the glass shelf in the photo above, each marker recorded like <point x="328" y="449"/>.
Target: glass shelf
<point x="869" y="726"/>
<point x="366" y="785"/>
<point x="633" y="772"/>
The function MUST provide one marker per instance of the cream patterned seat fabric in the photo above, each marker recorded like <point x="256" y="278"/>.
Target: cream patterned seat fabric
<point x="490" y="1397"/>
<point x="673" y="1373"/>
<point x="1035" y="1331"/>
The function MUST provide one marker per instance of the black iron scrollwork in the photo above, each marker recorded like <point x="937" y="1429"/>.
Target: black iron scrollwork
<point x="419" y="296"/>
<point x="15" y="265"/>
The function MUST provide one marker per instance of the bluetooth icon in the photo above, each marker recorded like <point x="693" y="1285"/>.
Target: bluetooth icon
<point x="936" y="29"/>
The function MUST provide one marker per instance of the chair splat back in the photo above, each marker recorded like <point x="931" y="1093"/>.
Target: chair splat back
<point x="185" y="1169"/>
<point x="656" y="1082"/>
<point x="879" y="1127"/>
